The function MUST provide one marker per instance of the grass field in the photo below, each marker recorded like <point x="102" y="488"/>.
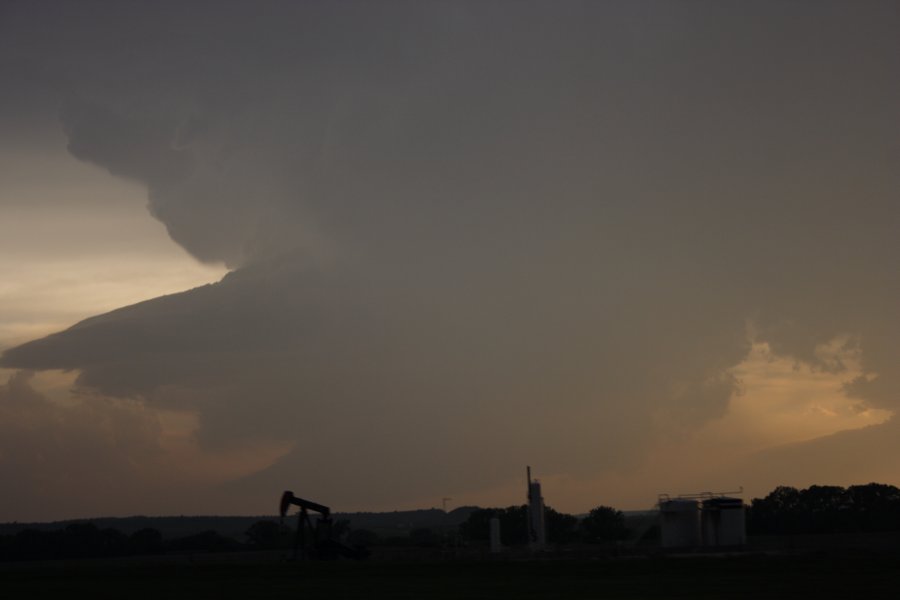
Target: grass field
<point x="809" y="576"/>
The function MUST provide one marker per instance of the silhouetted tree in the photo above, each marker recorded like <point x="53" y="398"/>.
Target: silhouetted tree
<point x="363" y="538"/>
<point x="561" y="528"/>
<point x="31" y="544"/>
<point x="876" y="506"/>
<point x="513" y="525"/>
<point x="477" y="526"/>
<point x="826" y="509"/>
<point x="268" y="535"/>
<point x="85" y="540"/>
<point x="424" y="537"/>
<point x="206" y="541"/>
<point x="145" y="541"/>
<point x="776" y="513"/>
<point x="604" y="524"/>
<point x="340" y="528"/>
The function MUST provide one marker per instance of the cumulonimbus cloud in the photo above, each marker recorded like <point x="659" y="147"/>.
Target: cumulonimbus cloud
<point x="453" y="225"/>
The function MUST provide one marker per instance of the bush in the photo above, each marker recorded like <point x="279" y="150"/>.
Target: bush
<point x="604" y="524"/>
<point x="363" y="538"/>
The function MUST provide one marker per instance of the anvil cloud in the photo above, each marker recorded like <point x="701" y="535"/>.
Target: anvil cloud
<point x="466" y="235"/>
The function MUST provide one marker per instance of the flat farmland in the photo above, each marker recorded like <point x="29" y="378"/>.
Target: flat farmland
<point x="758" y="576"/>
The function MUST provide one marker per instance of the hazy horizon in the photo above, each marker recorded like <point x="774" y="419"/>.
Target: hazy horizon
<point x="385" y="253"/>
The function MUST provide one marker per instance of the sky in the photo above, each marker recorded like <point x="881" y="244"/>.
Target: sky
<point x="383" y="254"/>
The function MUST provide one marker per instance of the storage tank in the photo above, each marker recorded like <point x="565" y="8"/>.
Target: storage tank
<point x="496" y="544"/>
<point x="679" y="523"/>
<point x="723" y="522"/>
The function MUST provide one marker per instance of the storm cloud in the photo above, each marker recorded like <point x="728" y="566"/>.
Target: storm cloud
<point x="468" y="235"/>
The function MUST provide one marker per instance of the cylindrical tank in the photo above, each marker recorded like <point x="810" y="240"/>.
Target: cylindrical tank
<point x="679" y="523"/>
<point x="723" y="522"/>
<point x="496" y="544"/>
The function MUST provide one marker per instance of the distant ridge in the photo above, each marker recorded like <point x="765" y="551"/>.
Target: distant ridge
<point x="397" y="523"/>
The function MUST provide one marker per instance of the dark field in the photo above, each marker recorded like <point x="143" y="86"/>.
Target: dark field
<point x="807" y="576"/>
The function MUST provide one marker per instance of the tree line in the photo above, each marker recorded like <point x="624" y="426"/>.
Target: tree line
<point x="86" y="540"/>
<point x="786" y="510"/>
<point x="602" y="524"/>
<point x="826" y="509"/>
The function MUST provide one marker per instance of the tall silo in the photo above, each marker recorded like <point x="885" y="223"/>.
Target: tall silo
<point x="679" y="523"/>
<point x="537" y="532"/>
<point x="723" y="522"/>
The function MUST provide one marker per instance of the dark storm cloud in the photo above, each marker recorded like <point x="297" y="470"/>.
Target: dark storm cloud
<point x="854" y="455"/>
<point x="459" y="226"/>
<point x="44" y="447"/>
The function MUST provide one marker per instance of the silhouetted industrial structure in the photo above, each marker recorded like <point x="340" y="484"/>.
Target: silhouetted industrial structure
<point x="722" y="522"/>
<point x="314" y="541"/>
<point x="707" y="519"/>
<point x="537" y="532"/>
<point x="496" y="543"/>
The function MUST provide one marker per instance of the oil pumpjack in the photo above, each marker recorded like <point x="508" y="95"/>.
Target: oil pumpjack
<point x="315" y="541"/>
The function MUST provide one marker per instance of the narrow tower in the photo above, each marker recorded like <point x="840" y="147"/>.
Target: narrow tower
<point x="537" y="535"/>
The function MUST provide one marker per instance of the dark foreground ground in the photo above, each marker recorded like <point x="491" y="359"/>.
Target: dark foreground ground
<point x="808" y="576"/>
